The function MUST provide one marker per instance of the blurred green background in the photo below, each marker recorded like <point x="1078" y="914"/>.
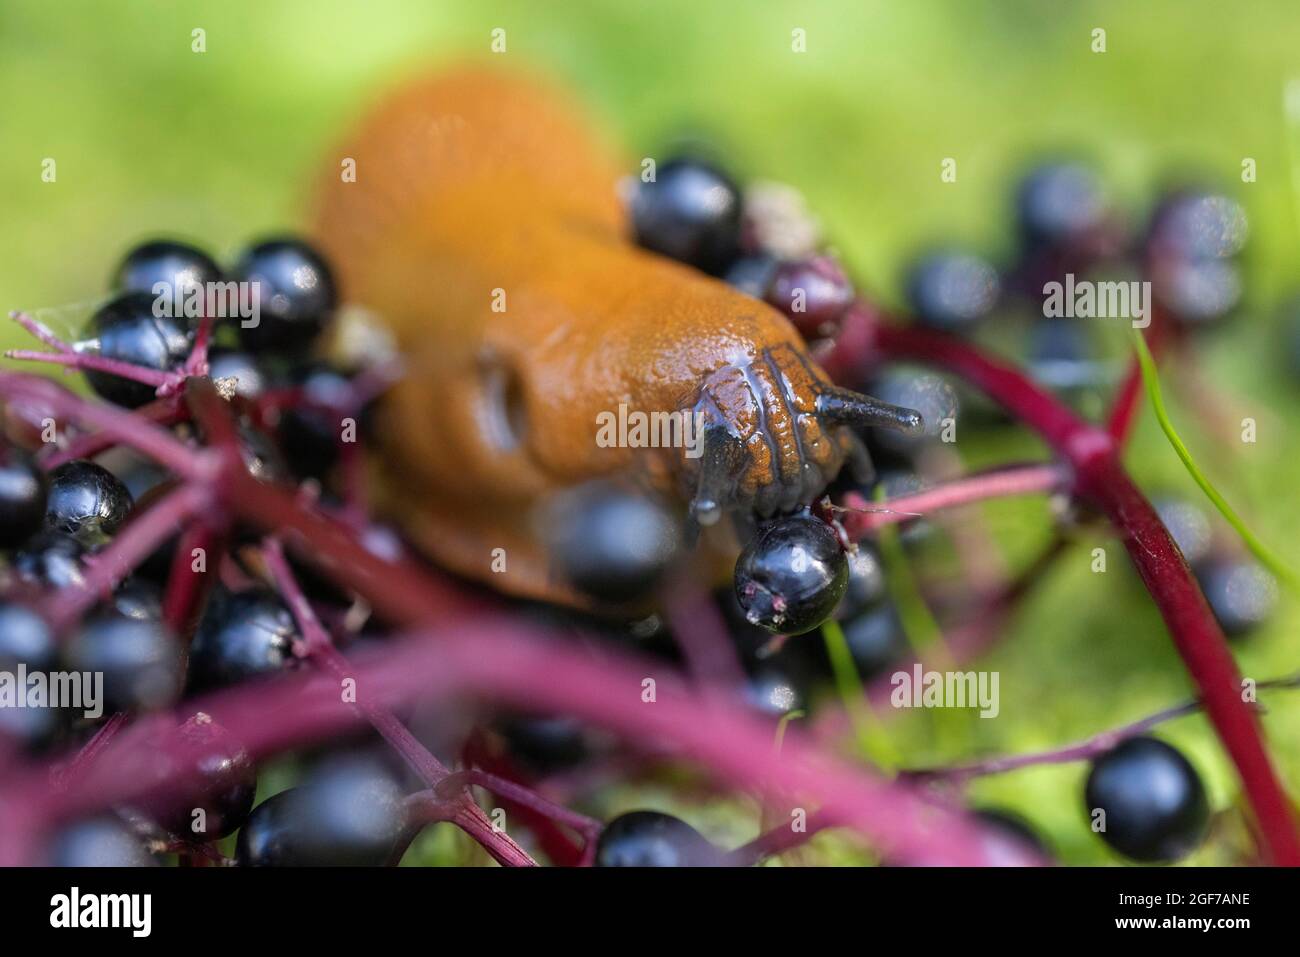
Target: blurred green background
<point x="150" y="137"/>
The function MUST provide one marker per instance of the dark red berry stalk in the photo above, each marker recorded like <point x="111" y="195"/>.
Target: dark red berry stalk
<point x="1099" y="478"/>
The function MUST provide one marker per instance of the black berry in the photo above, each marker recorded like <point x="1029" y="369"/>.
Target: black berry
<point x="691" y="213"/>
<point x="129" y="329"/>
<point x="952" y="291"/>
<point x="246" y="374"/>
<point x="1191" y="249"/>
<point x="138" y="598"/>
<point x="297" y="296"/>
<point x="242" y="635"/>
<point x="1241" y="593"/>
<point x="1015" y="827"/>
<point x="310" y="432"/>
<point x="652" y="839"/>
<point x="222" y="781"/>
<point x="791" y="575"/>
<point x="876" y="640"/>
<point x="774" y="691"/>
<point x="87" y="501"/>
<point x="178" y="265"/>
<point x="867" y="586"/>
<point x="23" y="490"/>
<point x="98" y="842"/>
<point x="25" y="640"/>
<point x="1152" y="799"/>
<point x="544" y="743"/>
<point x="141" y="663"/>
<point x="52" y="559"/>
<point x="931" y="395"/>
<point x="753" y="275"/>
<point x="1062" y="356"/>
<point x="1058" y="205"/>
<point x="610" y="543"/>
<point x="347" y="813"/>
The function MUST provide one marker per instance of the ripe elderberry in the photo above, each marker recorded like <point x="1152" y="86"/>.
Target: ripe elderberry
<point x="690" y="212"/>
<point x="1154" y="804"/>
<point x="87" y="501"/>
<point x="652" y="839"/>
<point x="791" y="575"/>
<point x="23" y="490"/>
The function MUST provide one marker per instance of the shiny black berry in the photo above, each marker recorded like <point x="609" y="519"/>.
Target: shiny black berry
<point x="296" y="296"/>
<point x="867" y="587"/>
<point x="25" y="640"/>
<point x="261" y="456"/>
<point x="178" y="265"/>
<point x="141" y="662"/>
<point x="545" y="743"/>
<point x="952" y="291"/>
<point x="87" y="501"/>
<point x="774" y="691"/>
<point x="244" y="372"/>
<point x="691" y="213"/>
<point x="104" y="841"/>
<point x="1241" y="592"/>
<point x="347" y="813"/>
<point x="23" y="490"/>
<point x="1197" y="224"/>
<point x="138" y="598"/>
<point x="611" y="543"/>
<point x="1147" y="801"/>
<point x="1012" y="825"/>
<point x="220" y="779"/>
<point x="876" y="640"/>
<point x="128" y="328"/>
<point x="929" y="394"/>
<point x="1058" y="205"/>
<point x="753" y="275"/>
<point x="51" y="559"/>
<point x="1062" y="356"/>
<point x="311" y="431"/>
<point x="652" y="839"/>
<point x="242" y="635"/>
<point x="791" y="575"/>
<point x="1191" y="249"/>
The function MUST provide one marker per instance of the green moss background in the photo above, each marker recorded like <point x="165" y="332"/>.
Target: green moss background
<point x="151" y="137"/>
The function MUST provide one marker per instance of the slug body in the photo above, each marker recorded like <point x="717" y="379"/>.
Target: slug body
<point x="485" y="228"/>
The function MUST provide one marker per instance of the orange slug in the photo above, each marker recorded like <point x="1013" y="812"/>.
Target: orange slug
<point x="485" y="227"/>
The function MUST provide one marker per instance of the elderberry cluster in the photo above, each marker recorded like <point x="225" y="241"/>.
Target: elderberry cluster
<point x="60" y="513"/>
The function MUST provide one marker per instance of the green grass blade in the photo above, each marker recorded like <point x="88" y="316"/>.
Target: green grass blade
<point x="871" y="738"/>
<point x="1262" y="552"/>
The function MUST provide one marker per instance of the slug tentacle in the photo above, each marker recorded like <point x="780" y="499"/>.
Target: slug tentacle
<point x="776" y="433"/>
<point x="851" y="408"/>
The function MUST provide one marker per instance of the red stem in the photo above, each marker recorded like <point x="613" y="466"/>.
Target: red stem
<point x="860" y="516"/>
<point x="502" y="662"/>
<point x="1100" y="479"/>
<point x="320" y="649"/>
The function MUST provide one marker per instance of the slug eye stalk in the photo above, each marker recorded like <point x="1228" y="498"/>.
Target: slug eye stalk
<point x="846" y="407"/>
